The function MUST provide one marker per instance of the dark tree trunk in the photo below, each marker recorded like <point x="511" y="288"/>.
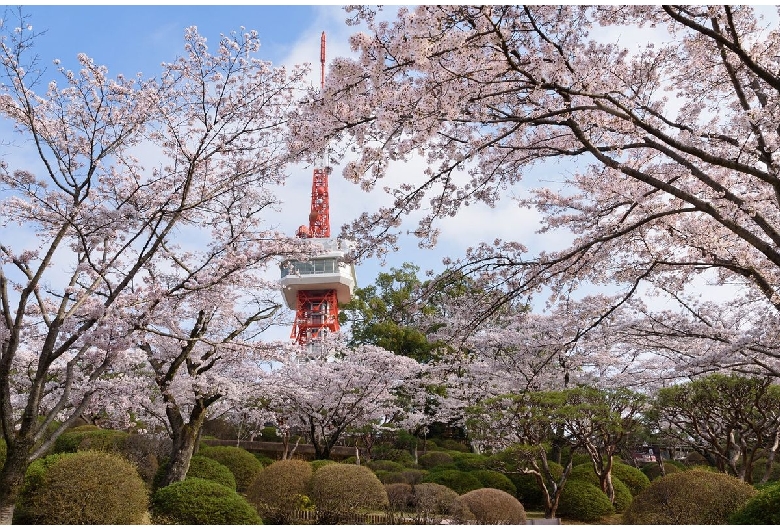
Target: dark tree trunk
<point x="185" y="437"/>
<point x="12" y="477"/>
<point x="182" y="449"/>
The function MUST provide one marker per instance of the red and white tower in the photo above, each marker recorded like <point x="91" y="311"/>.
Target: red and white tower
<point x="314" y="288"/>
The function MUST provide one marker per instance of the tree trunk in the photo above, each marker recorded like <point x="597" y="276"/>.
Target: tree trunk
<point x="12" y="478"/>
<point x="770" y="458"/>
<point x="185" y="441"/>
<point x="182" y="449"/>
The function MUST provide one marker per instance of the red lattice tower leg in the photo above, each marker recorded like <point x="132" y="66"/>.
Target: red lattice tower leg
<point x="315" y="311"/>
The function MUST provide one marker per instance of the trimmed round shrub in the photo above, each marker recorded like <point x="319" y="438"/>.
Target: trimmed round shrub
<point x="316" y="464"/>
<point x="279" y="490"/>
<point x="432" y="502"/>
<point x="88" y="487"/>
<point x="689" y="497"/>
<point x="623" y="497"/>
<point x="492" y="506"/>
<point x="263" y="459"/>
<point x="239" y="461"/>
<point x="433" y="459"/>
<point x="407" y="476"/>
<point x="582" y="501"/>
<point x="339" y="490"/>
<point x="469" y="461"/>
<point x="400" y="497"/>
<point x="459" y="481"/>
<point x="208" y="469"/>
<point x="493" y="479"/>
<point x="200" y="501"/>
<point x="89" y="437"/>
<point x="269" y="434"/>
<point x="146" y="452"/>
<point x="763" y="508"/>
<point x="653" y="471"/>
<point x="632" y="477"/>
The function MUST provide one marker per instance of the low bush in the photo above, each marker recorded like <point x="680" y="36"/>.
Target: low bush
<point x="239" y="461"/>
<point x="763" y="508"/>
<point x="263" y="459"/>
<point x="269" y="434"/>
<point x="208" y="469"/>
<point x="495" y="480"/>
<point x="623" y="497"/>
<point x="89" y="437"/>
<point x="279" y="490"/>
<point x="632" y="477"/>
<point x="340" y="490"/>
<point x="459" y="481"/>
<point x="384" y="465"/>
<point x="88" y="487"/>
<point x="407" y="476"/>
<point x="316" y="464"/>
<point x="492" y="506"/>
<point x="469" y="461"/>
<point x="400" y="497"/>
<point x="145" y="452"/>
<point x="689" y="497"/>
<point x="653" y="471"/>
<point x="582" y="501"/>
<point x="433" y="459"/>
<point x="199" y="501"/>
<point x="432" y="502"/>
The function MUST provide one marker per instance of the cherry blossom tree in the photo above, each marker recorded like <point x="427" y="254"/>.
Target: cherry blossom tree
<point x="670" y="145"/>
<point x="83" y="229"/>
<point x="340" y="389"/>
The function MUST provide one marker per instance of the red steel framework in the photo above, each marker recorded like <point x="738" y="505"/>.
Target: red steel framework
<point x="317" y="309"/>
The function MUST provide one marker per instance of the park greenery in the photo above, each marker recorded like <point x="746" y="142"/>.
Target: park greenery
<point x="136" y="247"/>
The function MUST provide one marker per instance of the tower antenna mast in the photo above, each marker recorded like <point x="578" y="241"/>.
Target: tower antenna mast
<point x="322" y="63"/>
<point x="316" y="287"/>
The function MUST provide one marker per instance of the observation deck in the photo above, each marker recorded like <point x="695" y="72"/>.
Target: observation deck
<point x="323" y="272"/>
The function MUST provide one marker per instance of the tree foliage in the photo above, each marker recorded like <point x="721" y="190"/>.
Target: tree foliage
<point x="732" y="419"/>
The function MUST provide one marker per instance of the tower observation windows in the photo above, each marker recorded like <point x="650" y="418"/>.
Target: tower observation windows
<point x="314" y="266"/>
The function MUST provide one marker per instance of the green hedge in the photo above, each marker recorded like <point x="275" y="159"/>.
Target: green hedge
<point x="87" y="487"/>
<point x="492" y="506"/>
<point x="583" y="501"/>
<point x="241" y="463"/>
<point x="689" y="497"/>
<point x="280" y="489"/>
<point x="763" y="508"/>
<point x="200" y="501"/>
<point x="458" y="481"/>
<point x="340" y="490"/>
